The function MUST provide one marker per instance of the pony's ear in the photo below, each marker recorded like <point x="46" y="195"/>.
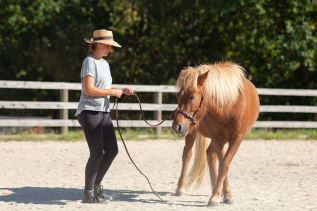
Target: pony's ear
<point x="202" y="78"/>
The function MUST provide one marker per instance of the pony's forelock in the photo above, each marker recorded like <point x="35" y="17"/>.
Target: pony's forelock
<point x="186" y="79"/>
<point x="225" y="80"/>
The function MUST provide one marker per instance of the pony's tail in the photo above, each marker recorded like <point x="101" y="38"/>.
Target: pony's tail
<point x="200" y="167"/>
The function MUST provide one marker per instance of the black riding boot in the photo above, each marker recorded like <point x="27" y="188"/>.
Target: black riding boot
<point x="99" y="192"/>
<point x="90" y="197"/>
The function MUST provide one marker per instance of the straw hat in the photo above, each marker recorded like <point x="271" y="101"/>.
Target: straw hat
<point x="103" y="36"/>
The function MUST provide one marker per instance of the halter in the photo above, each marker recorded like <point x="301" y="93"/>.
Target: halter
<point x="188" y="115"/>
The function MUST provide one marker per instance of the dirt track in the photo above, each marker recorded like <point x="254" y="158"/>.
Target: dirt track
<point x="49" y="175"/>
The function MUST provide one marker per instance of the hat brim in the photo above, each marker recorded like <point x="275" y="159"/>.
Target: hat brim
<point x="108" y="42"/>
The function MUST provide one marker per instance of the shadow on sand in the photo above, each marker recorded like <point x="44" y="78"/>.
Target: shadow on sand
<point x="59" y="196"/>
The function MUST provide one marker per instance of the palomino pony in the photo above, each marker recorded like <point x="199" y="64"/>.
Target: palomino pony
<point x="215" y="102"/>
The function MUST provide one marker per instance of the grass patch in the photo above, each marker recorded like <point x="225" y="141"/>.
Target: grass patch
<point x="146" y="133"/>
<point x="78" y="135"/>
<point x="282" y="134"/>
<point x="167" y="133"/>
<point x="29" y="136"/>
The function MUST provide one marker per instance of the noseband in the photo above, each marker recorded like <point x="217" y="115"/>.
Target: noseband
<point x="188" y="115"/>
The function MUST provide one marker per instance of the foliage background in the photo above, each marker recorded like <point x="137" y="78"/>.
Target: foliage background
<point x="275" y="41"/>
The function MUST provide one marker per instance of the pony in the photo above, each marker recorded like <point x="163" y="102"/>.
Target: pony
<point x="216" y="105"/>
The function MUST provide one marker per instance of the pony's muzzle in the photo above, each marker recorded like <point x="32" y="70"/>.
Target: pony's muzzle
<point x="180" y="130"/>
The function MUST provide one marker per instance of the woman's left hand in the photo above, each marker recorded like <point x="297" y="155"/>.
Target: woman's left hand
<point x="128" y="91"/>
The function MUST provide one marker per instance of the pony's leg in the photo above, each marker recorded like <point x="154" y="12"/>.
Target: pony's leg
<point x="212" y="163"/>
<point x="224" y="163"/>
<point x="187" y="153"/>
<point x="227" y="197"/>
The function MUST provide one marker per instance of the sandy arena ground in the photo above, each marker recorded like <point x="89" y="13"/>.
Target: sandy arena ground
<point x="49" y="175"/>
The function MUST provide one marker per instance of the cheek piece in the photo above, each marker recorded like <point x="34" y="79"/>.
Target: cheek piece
<point x="188" y="115"/>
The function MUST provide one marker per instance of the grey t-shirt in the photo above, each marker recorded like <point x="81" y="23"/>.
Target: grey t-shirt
<point x="100" y="71"/>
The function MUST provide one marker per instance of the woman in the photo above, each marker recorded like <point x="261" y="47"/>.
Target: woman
<point x="93" y="114"/>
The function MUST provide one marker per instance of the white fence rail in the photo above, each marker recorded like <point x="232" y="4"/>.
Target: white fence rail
<point x="63" y="105"/>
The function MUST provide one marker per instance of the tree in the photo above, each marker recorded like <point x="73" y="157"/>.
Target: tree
<point x="275" y="41"/>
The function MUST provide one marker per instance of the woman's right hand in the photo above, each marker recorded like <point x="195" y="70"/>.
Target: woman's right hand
<point x="117" y="93"/>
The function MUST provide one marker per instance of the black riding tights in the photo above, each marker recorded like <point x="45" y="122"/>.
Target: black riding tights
<point x="102" y="143"/>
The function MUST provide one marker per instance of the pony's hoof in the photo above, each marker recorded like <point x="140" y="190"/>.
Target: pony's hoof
<point x="178" y="193"/>
<point x="212" y="204"/>
<point x="228" y="201"/>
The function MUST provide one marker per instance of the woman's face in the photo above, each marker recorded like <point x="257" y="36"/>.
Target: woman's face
<point x="104" y="49"/>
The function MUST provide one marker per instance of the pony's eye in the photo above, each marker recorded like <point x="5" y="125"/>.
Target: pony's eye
<point x="192" y="97"/>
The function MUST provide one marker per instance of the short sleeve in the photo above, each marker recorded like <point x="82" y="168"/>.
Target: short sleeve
<point x="88" y="68"/>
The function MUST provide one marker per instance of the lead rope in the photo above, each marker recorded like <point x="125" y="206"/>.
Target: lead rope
<point x="170" y="116"/>
<point x="116" y="102"/>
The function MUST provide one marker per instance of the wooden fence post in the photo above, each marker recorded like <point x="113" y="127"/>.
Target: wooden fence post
<point x="63" y="113"/>
<point x="158" y="114"/>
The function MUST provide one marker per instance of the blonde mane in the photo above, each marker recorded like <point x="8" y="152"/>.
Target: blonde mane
<point x="225" y="80"/>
